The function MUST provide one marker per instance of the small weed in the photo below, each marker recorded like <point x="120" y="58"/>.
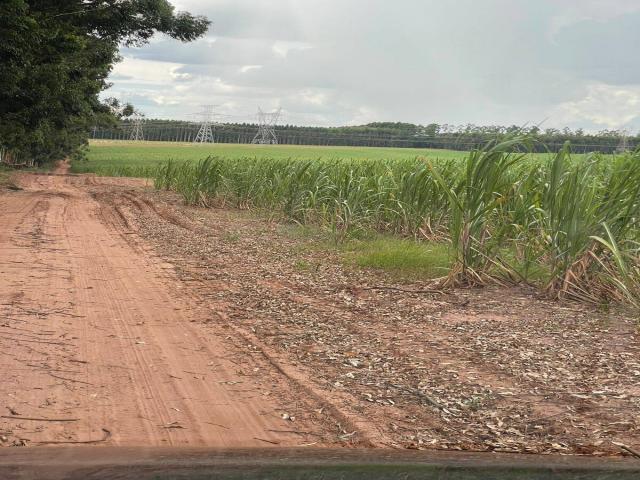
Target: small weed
<point x="6" y="179"/>
<point x="303" y="266"/>
<point x="231" y="237"/>
<point x="476" y="402"/>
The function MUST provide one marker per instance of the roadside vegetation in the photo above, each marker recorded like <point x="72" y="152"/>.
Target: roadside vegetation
<point x="565" y="224"/>
<point x="6" y="178"/>
<point x="403" y="259"/>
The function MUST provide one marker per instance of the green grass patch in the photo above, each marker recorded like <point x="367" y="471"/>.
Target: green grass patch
<point x="303" y="266"/>
<point x="400" y="257"/>
<point x="403" y="257"/>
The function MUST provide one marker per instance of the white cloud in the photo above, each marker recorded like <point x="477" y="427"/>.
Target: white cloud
<point x="219" y="85"/>
<point x="179" y="75"/>
<point x="364" y="115"/>
<point x="314" y="97"/>
<point x="576" y="11"/>
<point x="282" y="49"/>
<point x="604" y="105"/>
<point x="248" y="68"/>
<point x="162" y="100"/>
<point x="146" y="71"/>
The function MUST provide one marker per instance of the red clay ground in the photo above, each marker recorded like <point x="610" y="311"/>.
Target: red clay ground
<point x="139" y="321"/>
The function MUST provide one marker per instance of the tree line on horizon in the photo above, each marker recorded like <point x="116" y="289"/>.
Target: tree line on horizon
<point x="383" y="134"/>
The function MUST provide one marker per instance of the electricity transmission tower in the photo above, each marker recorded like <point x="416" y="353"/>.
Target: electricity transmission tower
<point x="266" y="127"/>
<point x="623" y="146"/>
<point x="205" y="134"/>
<point x="137" y="133"/>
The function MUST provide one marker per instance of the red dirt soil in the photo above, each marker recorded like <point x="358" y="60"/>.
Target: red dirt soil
<point x="98" y="344"/>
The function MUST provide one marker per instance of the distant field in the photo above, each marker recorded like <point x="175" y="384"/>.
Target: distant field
<point x="140" y="159"/>
<point x="113" y="157"/>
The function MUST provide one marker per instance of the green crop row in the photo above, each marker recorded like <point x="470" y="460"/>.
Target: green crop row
<point x="571" y="222"/>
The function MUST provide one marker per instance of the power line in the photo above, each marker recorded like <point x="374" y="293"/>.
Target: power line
<point x="373" y="138"/>
<point x="307" y="129"/>
<point x="267" y="131"/>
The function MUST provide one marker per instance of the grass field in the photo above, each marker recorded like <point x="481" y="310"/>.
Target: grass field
<point x="130" y="159"/>
<point x="124" y="158"/>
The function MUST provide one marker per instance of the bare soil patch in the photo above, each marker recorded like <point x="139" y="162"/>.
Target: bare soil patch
<point x="101" y="345"/>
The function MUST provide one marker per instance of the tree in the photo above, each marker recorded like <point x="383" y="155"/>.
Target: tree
<point x="55" y="56"/>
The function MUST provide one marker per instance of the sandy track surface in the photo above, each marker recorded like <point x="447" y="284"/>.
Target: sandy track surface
<point x="98" y="344"/>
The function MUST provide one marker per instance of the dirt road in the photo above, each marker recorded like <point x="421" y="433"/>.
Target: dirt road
<point x="99" y="345"/>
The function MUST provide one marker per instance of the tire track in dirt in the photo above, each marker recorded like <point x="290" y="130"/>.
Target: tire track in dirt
<point x="126" y="350"/>
<point x="347" y="421"/>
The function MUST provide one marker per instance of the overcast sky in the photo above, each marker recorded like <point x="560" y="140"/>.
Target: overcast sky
<point x="335" y="62"/>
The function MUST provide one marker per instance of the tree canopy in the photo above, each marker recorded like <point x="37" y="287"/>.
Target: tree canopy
<point x="55" y="56"/>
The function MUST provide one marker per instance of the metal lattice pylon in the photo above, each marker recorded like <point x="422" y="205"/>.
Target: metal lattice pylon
<point x="623" y="146"/>
<point x="266" y="127"/>
<point x="205" y="134"/>
<point x="137" y="132"/>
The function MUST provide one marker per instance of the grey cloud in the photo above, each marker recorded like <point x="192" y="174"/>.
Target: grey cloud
<point x="495" y="61"/>
<point x="273" y="19"/>
<point x="603" y="51"/>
